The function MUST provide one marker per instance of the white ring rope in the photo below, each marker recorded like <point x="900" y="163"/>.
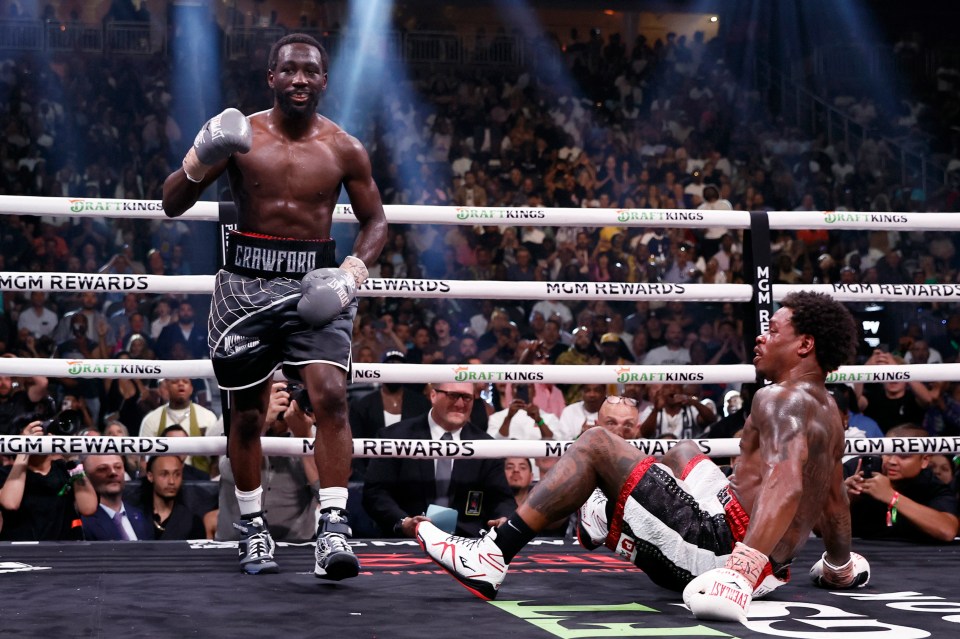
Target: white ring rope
<point x="425" y="448"/>
<point x="482" y="373"/>
<point x="516" y="216"/>
<point x="469" y="289"/>
<point x="412" y="214"/>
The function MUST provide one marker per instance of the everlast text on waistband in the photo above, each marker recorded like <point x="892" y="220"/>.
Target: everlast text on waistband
<point x="265" y="256"/>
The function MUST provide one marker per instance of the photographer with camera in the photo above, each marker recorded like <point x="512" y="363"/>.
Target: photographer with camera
<point x="898" y="497"/>
<point x="21" y="399"/>
<point x="42" y="495"/>
<point x="290" y="484"/>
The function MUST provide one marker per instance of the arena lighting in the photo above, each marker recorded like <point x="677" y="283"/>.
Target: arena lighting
<point x="358" y="75"/>
<point x="552" y="68"/>
<point x="195" y="91"/>
<point x="369" y="87"/>
<point x="363" y="80"/>
<point x="195" y="76"/>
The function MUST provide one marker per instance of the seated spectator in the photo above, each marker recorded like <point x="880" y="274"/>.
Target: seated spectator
<point x="544" y="394"/>
<point x="114" y="520"/>
<point x="180" y="410"/>
<point x="581" y="352"/>
<point x="672" y="352"/>
<point x="677" y="414"/>
<point x="290" y="484"/>
<point x="190" y="472"/>
<point x="162" y="317"/>
<point x="41" y="496"/>
<point x="185" y="332"/>
<point x="93" y="323"/>
<point x="448" y="345"/>
<point x="131" y="463"/>
<point x="942" y="469"/>
<point x="82" y="347"/>
<point x="581" y="415"/>
<point x="38" y="319"/>
<point x="398" y="491"/>
<point x="522" y="418"/>
<point x="162" y="501"/>
<point x="901" y="499"/>
<point x="519" y="473"/>
<point x="921" y="353"/>
<point x="613" y="351"/>
<point x="550" y="340"/>
<point x="126" y="319"/>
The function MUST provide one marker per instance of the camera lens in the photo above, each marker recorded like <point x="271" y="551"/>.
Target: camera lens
<point x="66" y="424"/>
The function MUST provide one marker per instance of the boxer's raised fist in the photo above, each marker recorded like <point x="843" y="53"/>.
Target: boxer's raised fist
<point x="221" y="136"/>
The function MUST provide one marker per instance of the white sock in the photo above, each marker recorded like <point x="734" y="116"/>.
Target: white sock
<point x="250" y="501"/>
<point x="333" y="498"/>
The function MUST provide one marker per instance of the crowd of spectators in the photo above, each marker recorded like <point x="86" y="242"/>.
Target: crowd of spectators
<point x="654" y="125"/>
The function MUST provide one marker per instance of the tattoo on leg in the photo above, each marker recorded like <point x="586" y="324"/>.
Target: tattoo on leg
<point x="599" y="460"/>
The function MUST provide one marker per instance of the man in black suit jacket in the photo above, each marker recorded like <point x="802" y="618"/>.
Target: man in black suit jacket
<point x="398" y="491"/>
<point x="106" y="475"/>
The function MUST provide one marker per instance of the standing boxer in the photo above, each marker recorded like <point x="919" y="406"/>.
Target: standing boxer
<point x="721" y="542"/>
<point x="277" y="300"/>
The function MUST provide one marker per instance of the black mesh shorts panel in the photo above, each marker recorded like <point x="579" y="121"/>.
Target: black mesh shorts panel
<point x="254" y="328"/>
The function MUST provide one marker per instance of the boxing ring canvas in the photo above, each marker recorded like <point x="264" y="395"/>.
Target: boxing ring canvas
<point x="554" y="589"/>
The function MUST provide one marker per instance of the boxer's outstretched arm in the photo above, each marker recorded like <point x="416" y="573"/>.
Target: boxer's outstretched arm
<point x="835" y="524"/>
<point x="780" y="417"/>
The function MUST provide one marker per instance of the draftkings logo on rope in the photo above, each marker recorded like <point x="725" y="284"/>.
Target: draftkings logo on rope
<point x="464" y="374"/>
<point x="837" y="377"/>
<point x="865" y="218"/>
<point x="79" y="367"/>
<point x="472" y="213"/>
<point x="626" y="375"/>
<point x="80" y="205"/>
<point x="658" y="215"/>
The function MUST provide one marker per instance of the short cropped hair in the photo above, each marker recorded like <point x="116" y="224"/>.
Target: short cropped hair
<point x="907" y="430"/>
<point x="830" y="324"/>
<point x="297" y="38"/>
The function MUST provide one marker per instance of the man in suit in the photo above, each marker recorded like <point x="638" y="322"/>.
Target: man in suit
<point x="398" y="491"/>
<point x="114" y="520"/>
